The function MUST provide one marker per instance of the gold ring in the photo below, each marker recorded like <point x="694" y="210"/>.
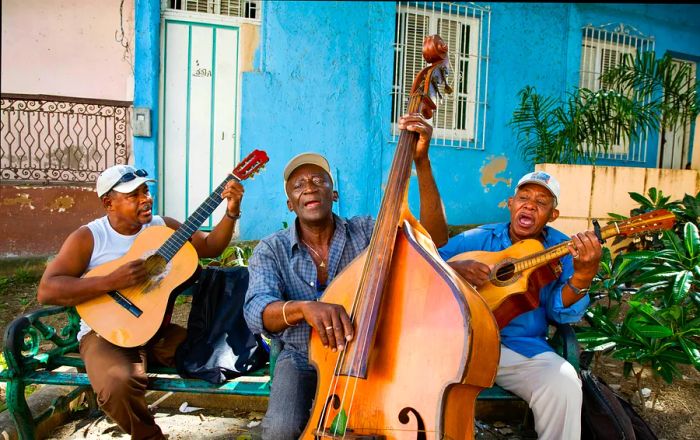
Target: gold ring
<point x="329" y="327"/>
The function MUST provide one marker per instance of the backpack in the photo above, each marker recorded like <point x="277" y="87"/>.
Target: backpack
<point x="605" y="414"/>
<point x="219" y="346"/>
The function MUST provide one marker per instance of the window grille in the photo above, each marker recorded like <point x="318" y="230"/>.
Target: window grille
<point x="232" y="8"/>
<point x="460" y="118"/>
<point x="603" y="48"/>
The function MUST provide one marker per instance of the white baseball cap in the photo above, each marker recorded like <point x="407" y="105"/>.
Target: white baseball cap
<point x="543" y="179"/>
<point x="304" y="159"/>
<point x="120" y="178"/>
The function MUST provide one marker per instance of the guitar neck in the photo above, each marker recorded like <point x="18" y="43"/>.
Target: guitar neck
<point x="555" y="252"/>
<point x="194" y="222"/>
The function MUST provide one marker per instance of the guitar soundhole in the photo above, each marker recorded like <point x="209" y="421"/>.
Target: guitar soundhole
<point x="155" y="265"/>
<point x="157" y="268"/>
<point x="505" y="273"/>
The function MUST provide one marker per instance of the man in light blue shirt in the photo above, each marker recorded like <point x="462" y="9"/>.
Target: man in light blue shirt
<point x="528" y="366"/>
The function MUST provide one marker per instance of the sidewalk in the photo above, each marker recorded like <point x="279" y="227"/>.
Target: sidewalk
<point x="200" y="424"/>
<point x="229" y="424"/>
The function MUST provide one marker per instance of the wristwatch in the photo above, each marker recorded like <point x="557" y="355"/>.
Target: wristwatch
<point x="576" y="290"/>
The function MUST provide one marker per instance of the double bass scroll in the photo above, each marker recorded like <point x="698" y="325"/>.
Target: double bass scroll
<point x="425" y="342"/>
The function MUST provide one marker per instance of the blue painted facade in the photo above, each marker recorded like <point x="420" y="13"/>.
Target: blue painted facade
<point x="146" y="84"/>
<point x="325" y="85"/>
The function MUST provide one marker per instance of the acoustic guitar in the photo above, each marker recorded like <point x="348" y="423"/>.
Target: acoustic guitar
<point x="130" y="317"/>
<point x="521" y="270"/>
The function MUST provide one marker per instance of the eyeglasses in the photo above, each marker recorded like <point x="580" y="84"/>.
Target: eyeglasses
<point x="128" y="177"/>
<point x="317" y="181"/>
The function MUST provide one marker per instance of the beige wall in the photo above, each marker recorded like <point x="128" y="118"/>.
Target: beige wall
<point x="593" y="192"/>
<point x="67" y="48"/>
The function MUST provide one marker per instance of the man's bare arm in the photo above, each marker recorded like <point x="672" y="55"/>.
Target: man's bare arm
<point x="62" y="284"/>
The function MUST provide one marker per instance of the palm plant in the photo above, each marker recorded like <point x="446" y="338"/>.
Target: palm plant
<point x="641" y="93"/>
<point x="668" y="87"/>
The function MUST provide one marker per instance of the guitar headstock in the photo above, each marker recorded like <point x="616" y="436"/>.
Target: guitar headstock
<point x="252" y="164"/>
<point x="428" y="82"/>
<point x="651" y="221"/>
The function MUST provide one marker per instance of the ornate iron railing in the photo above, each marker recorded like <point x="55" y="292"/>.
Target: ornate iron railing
<point x="54" y="139"/>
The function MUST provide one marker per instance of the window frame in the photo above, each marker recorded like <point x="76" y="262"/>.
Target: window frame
<point x="467" y="104"/>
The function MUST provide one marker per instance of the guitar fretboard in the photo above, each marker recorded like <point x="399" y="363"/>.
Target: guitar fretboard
<point x="543" y="257"/>
<point x="194" y="222"/>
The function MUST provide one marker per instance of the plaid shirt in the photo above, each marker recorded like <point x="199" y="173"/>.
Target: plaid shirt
<point x="281" y="270"/>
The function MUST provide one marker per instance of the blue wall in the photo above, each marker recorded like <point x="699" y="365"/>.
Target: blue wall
<point x="326" y="80"/>
<point x="146" y="84"/>
<point x="324" y="87"/>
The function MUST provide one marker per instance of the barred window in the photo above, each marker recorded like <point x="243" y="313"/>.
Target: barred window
<point x="603" y="48"/>
<point x="459" y="120"/>
<point x="231" y="8"/>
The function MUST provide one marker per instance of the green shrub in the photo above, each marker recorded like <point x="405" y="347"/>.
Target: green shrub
<point x="234" y="255"/>
<point x="645" y="303"/>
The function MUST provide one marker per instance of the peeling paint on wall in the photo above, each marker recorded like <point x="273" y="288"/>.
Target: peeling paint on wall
<point x="490" y="171"/>
<point x="250" y="40"/>
<point x="61" y="204"/>
<point x="21" y="200"/>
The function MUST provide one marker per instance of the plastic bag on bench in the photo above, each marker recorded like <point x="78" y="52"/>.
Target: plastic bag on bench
<point x="219" y="345"/>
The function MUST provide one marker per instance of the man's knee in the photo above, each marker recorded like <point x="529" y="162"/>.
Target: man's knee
<point x="119" y="384"/>
<point x="565" y="384"/>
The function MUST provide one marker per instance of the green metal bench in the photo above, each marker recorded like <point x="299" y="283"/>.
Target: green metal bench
<point x="34" y="350"/>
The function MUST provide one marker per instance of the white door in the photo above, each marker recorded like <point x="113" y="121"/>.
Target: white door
<point x="199" y="114"/>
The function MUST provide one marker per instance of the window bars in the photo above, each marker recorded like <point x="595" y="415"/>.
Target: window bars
<point x="54" y="139"/>
<point x="232" y="8"/>
<point x="459" y="121"/>
<point x="603" y="48"/>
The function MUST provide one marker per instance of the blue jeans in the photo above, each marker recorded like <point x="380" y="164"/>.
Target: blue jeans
<point x="291" y="394"/>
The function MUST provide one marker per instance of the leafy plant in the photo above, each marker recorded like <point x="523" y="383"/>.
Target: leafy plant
<point x="231" y="256"/>
<point x="614" y="274"/>
<point x="658" y="327"/>
<point x="554" y="132"/>
<point x="642" y="93"/>
<point x="667" y="86"/>
<point x="685" y="210"/>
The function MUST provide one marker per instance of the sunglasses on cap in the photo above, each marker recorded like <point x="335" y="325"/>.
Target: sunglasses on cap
<point x="128" y="177"/>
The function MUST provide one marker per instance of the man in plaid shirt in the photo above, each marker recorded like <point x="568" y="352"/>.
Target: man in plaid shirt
<point x="290" y="269"/>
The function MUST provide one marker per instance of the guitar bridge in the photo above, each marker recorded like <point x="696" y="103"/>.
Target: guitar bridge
<point x="124" y="302"/>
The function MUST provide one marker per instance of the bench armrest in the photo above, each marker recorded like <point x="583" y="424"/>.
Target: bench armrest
<point x="31" y="343"/>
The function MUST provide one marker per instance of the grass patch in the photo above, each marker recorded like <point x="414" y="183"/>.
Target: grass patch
<point x="16" y="272"/>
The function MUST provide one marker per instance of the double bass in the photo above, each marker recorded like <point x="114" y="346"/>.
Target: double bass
<point x="425" y="343"/>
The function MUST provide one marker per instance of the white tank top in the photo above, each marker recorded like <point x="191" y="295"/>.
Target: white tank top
<point x="110" y="245"/>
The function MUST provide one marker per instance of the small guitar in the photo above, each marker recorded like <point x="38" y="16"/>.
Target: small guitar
<point x="521" y="270"/>
<point x="130" y="317"/>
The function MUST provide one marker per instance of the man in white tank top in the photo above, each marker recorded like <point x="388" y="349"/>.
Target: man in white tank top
<point x="117" y="374"/>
